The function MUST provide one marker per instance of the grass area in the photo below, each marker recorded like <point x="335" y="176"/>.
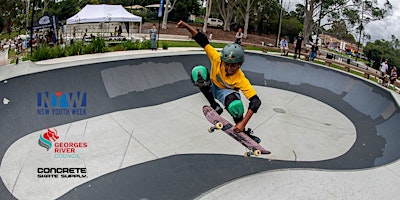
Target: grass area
<point x="174" y="43"/>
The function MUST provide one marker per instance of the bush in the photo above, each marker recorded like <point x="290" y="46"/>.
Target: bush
<point x="75" y="49"/>
<point x="146" y="44"/>
<point x="45" y="52"/>
<point x="129" y="45"/>
<point x="99" y="45"/>
<point x="165" y="45"/>
<point x="118" y="47"/>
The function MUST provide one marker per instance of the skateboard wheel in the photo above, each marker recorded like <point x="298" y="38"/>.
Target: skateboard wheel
<point x="257" y="152"/>
<point x="247" y="154"/>
<point x="211" y="129"/>
<point x="219" y="125"/>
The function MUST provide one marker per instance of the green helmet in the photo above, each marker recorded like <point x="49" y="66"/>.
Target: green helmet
<point x="232" y="53"/>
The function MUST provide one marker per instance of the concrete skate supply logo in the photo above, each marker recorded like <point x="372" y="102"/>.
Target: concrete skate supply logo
<point x="65" y="172"/>
<point x="48" y="140"/>
<point x="61" y="103"/>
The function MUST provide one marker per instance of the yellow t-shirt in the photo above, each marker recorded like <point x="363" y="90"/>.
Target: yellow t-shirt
<point x="237" y="81"/>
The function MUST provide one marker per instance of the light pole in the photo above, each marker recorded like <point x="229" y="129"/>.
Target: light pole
<point x="27" y="16"/>
<point x="33" y="13"/>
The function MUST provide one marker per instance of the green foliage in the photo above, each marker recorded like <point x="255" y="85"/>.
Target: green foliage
<point x="165" y="45"/>
<point x="64" y="9"/>
<point x="45" y="52"/>
<point x="75" y="49"/>
<point x="129" y="45"/>
<point x="381" y="50"/>
<point x="145" y="44"/>
<point x="291" y="27"/>
<point x="118" y="47"/>
<point x="98" y="45"/>
<point x="183" y="8"/>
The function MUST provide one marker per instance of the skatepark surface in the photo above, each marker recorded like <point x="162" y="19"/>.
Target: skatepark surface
<point x="129" y="125"/>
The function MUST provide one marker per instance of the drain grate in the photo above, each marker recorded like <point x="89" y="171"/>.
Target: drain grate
<point x="279" y="110"/>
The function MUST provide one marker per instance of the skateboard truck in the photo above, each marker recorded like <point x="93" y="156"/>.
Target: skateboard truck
<point x="217" y="126"/>
<point x="254" y="152"/>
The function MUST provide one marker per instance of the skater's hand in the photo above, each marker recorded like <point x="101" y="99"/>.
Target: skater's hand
<point x="181" y="24"/>
<point x="239" y="127"/>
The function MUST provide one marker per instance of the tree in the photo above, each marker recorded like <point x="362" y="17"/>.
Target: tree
<point x="64" y="9"/>
<point x="10" y="11"/>
<point x="225" y="8"/>
<point x="249" y="6"/>
<point x="369" y="12"/>
<point x="183" y="9"/>
<point x="208" y="11"/>
<point x="356" y="13"/>
<point x="382" y="49"/>
<point x="166" y="12"/>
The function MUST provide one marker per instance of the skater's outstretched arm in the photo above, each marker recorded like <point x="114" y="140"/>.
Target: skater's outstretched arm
<point x="182" y="24"/>
<point x="199" y="37"/>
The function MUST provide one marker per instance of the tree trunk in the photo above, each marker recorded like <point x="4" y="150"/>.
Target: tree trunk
<point x="208" y="11"/>
<point x="166" y="12"/>
<point x="309" y="12"/>
<point x="165" y="17"/>
<point x="226" y="11"/>
<point x="247" y="18"/>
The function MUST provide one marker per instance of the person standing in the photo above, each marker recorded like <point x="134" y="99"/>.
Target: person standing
<point x="384" y="67"/>
<point x="298" y="43"/>
<point x="119" y="30"/>
<point x="239" y="36"/>
<point x="153" y="37"/>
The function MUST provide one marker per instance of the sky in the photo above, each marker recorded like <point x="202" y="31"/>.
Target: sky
<point x="383" y="29"/>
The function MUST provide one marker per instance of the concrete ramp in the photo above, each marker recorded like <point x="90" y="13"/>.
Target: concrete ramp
<point x="110" y="130"/>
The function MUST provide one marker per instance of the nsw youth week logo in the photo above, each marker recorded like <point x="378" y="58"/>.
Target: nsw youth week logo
<point x="61" y="103"/>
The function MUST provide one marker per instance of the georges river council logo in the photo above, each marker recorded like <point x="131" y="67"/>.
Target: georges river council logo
<point x="61" y="103"/>
<point x="48" y="140"/>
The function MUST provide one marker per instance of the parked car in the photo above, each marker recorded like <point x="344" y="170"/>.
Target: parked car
<point x="215" y="22"/>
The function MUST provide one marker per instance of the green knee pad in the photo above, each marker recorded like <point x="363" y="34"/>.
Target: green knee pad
<point x="199" y="72"/>
<point x="236" y="109"/>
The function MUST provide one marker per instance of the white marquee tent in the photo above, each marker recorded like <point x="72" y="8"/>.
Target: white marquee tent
<point x="103" y="13"/>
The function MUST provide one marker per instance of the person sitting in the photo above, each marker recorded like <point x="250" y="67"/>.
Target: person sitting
<point x="313" y="53"/>
<point x="284" y="47"/>
<point x="393" y="75"/>
<point x="239" y="36"/>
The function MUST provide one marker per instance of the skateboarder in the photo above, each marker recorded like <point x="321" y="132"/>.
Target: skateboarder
<point x="226" y="80"/>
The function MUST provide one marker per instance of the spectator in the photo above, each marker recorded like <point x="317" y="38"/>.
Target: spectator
<point x="119" y="30"/>
<point x="239" y="36"/>
<point x="153" y="37"/>
<point x="383" y="69"/>
<point x="313" y="53"/>
<point x="284" y="46"/>
<point x="297" y="45"/>
<point x="393" y="75"/>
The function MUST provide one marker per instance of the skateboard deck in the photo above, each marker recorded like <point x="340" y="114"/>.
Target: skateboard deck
<point x="220" y="123"/>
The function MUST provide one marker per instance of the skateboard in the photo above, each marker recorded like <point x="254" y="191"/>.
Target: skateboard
<point x="219" y="123"/>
